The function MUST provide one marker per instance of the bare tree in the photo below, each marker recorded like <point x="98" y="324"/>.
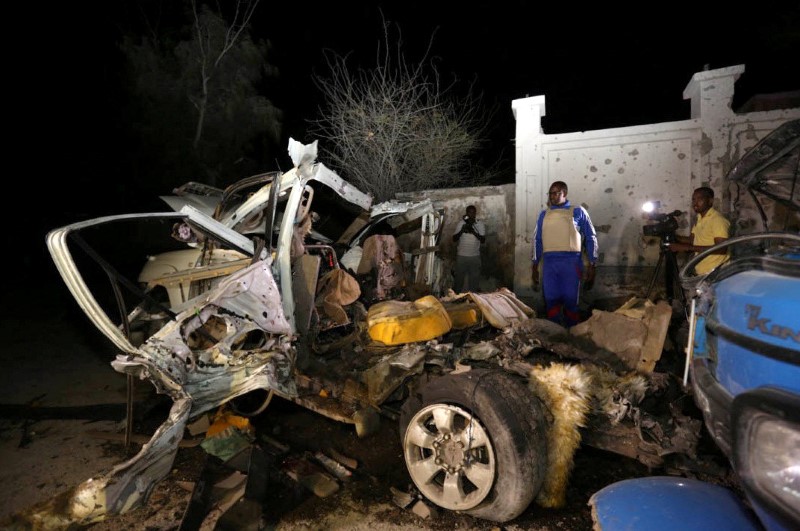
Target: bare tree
<point x="196" y="93"/>
<point x="396" y="127"/>
<point x="215" y="38"/>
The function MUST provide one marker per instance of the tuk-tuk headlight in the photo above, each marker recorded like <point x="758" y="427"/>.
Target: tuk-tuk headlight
<point x="766" y="449"/>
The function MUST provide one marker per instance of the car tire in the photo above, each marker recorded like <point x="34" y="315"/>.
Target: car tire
<point x="499" y="477"/>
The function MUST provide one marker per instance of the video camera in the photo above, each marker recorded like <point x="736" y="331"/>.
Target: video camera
<point x="469" y="226"/>
<point x="664" y="227"/>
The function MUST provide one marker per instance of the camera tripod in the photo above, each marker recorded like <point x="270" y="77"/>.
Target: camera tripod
<point x="671" y="274"/>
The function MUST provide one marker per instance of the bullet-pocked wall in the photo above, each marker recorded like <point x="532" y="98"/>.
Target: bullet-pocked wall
<point x="612" y="172"/>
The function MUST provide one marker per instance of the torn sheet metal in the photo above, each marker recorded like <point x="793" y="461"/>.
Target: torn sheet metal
<point x="635" y="332"/>
<point x="410" y="211"/>
<point x="502" y="308"/>
<point x="231" y="342"/>
<point x="384" y="377"/>
<point x="124" y="487"/>
<point x="252" y="292"/>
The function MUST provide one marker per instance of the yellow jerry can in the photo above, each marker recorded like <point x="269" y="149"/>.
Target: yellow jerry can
<point x="400" y="322"/>
<point x="463" y="314"/>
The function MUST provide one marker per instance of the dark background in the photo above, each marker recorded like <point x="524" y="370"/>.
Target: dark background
<point x="597" y="66"/>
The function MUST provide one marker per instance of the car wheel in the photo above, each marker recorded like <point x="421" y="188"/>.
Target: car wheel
<point x="475" y="442"/>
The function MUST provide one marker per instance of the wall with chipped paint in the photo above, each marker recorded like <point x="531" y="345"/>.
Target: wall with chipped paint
<point x="495" y="206"/>
<point x="612" y="172"/>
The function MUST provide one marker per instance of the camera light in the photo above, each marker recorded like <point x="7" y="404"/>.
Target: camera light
<point x="651" y="206"/>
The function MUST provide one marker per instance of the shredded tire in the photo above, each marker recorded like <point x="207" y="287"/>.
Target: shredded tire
<point x="512" y="418"/>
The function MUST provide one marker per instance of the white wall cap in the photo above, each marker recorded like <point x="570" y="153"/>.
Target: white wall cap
<point x="529" y="102"/>
<point x="708" y="75"/>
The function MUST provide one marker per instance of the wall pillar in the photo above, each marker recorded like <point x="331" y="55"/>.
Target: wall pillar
<point x="528" y="113"/>
<point x="711" y="94"/>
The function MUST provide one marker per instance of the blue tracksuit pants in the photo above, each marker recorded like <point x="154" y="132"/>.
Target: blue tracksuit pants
<point x="561" y="280"/>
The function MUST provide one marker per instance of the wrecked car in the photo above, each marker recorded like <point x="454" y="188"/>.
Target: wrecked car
<point x="336" y="231"/>
<point x="744" y="365"/>
<point x="329" y="307"/>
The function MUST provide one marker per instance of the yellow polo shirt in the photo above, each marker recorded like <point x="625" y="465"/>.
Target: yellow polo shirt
<point x="711" y="225"/>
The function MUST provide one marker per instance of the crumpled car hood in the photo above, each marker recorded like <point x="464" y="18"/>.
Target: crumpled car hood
<point x="770" y="168"/>
<point x="230" y="340"/>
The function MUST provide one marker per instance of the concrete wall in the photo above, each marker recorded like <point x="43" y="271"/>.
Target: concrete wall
<point x="612" y="172"/>
<point x="495" y="205"/>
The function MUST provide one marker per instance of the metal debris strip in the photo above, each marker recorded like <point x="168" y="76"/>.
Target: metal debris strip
<point x="230" y="495"/>
<point x="400" y="498"/>
<point x="349" y="462"/>
<point x="424" y="510"/>
<point x="334" y="467"/>
<point x="277" y="445"/>
<point x="309" y="475"/>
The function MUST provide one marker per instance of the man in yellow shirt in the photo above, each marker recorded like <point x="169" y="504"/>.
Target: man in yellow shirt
<point x="710" y="229"/>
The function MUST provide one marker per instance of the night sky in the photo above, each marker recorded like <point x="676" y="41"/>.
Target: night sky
<point x="597" y="66"/>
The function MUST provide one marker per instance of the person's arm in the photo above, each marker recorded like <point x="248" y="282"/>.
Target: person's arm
<point x="701" y="248"/>
<point x="686" y="243"/>
<point x="459" y="230"/>
<point x="536" y="251"/>
<point x="588" y="281"/>
<point x="536" y="248"/>
<point x="721" y="233"/>
<point x="692" y="248"/>
<point x="479" y="230"/>
<point x="586" y="228"/>
<point x="682" y="244"/>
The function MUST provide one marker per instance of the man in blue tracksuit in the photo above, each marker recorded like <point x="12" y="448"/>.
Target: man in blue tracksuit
<point x="560" y="232"/>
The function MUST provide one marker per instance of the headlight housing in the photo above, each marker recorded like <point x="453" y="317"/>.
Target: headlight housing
<point x="766" y="450"/>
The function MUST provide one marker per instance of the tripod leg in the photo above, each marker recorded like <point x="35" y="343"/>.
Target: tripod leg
<point x="676" y="276"/>
<point x="670" y="276"/>
<point x="655" y="274"/>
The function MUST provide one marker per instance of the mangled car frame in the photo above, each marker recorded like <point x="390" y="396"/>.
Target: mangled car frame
<point x="303" y="286"/>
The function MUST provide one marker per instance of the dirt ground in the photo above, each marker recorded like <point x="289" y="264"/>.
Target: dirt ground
<point x="60" y="399"/>
<point x="60" y="454"/>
